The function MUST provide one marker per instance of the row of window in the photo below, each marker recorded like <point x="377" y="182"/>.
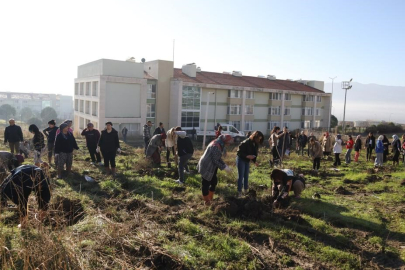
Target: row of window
<point x="83" y="123"/>
<point x="272" y="96"/>
<point x="86" y="89"/>
<point x="304" y="124"/>
<point x="86" y="106"/>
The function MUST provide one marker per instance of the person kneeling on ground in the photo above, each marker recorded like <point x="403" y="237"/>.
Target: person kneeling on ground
<point x="18" y="186"/>
<point x="155" y="147"/>
<point x="209" y="163"/>
<point x="9" y="161"/>
<point x="284" y="181"/>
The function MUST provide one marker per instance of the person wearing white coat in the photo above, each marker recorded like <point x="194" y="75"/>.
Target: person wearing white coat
<point x="337" y="150"/>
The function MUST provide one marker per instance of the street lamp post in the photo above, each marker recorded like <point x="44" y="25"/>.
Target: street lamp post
<point x="206" y="117"/>
<point x="346" y="86"/>
<point x="330" y="114"/>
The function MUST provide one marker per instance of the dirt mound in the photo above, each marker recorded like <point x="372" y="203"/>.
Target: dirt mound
<point x="134" y="205"/>
<point x="65" y="211"/>
<point x="341" y="190"/>
<point x="373" y="178"/>
<point x="248" y="207"/>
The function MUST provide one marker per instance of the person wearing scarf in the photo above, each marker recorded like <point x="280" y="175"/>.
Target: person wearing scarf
<point x="209" y="164"/>
<point x="396" y="149"/>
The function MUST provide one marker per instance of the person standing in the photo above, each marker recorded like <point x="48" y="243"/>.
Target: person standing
<point x="69" y="123"/>
<point x="65" y="143"/>
<point x="185" y="151"/>
<point x="273" y="144"/>
<point x="311" y="135"/>
<point x="109" y="145"/>
<point x="349" y="148"/>
<point x="370" y="145"/>
<point x="209" y="164"/>
<point x="50" y="133"/>
<point x="316" y="153"/>
<point x="357" y="148"/>
<point x="403" y="149"/>
<point x="13" y="135"/>
<point x="38" y="142"/>
<point x="155" y="147"/>
<point x="92" y="137"/>
<point x="337" y="149"/>
<point x="159" y="130"/>
<point x="396" y="149"/>
<point x="194" y="134"/>
<point x="146" y="134"/>
<point x="386" y="144"/>
<point x="326" y="144"/>
<point x="302" y="142"/>
<point x="218" y="132"/>
<point x="379" y="151"/>
<point x="171" y="144"/>
<point x="124" y="133"/>
<point x="248" y="151"/>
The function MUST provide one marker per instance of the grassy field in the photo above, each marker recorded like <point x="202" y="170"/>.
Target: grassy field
<point x="142" y="220"/>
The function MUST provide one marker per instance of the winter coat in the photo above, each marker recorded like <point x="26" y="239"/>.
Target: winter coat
<point x="13" y="134"/>
<point x="38" y="141"/>
<point x="50" y="134"/>
<point x="349" y="144"/>
<point x="368" y="145"/>
<point x="65" y="143"/>
<point x="184" y="145"/>
<point x="171" y="139"/>
<point x="281" y="143"/>
<point x="210" y="161"/>
<point x="154" y="143"/>
<point x="327" y="144"/>
<point x="109" y="142"/>
<point x="124" y="131"/>
<point x="357" y="145"/>
<point x="337" y="148"/>
<point x="302" y="140"/>
<point x="315" y="150"/>
<point x="386" y="144"/>
<point x="396" y="146"/>
<point x="159" y="130"/>
<point x="146" y="132"/>
<point x="247" y="148"/>
<point x="379" y="148"/>
<point x="92" y="137"/>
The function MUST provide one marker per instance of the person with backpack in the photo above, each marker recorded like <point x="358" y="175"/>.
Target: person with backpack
<point x="50" y="133"/>
<point x="39" y="143"/>
<point x="370" y="145"/>
<point x="357" y="148"/>
<point x="349" y="148"/>
<point x="396" y="149"/>
<point x="248" y="151"/>
<point x="337" y="150"/>
<point x="284" y="181"/>
<point x="379" y="151"/>
<point x="386" y="144"/>
<point x="302" y="142"/>
<point x="316" y="153"/>
<point x="185" y="150"/>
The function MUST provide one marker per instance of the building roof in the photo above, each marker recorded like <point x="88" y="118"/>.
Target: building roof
<point x="244" y="81"/>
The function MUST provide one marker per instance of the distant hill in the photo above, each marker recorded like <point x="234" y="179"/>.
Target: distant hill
<point x="369" y="101"/>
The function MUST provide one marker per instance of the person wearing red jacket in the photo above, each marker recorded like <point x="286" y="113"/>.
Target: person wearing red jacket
<point x="349" y="147"/>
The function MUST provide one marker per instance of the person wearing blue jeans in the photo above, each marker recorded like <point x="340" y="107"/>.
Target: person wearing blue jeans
<point x="247" y="152"/>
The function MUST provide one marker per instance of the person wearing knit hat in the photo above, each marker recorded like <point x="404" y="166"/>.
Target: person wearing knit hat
<point x="92" y="136"/>
<point x="155" y="146"/>
<point x="109" y="145"/>
<point x="65" y="143"/>
<point x="209" y="164"/>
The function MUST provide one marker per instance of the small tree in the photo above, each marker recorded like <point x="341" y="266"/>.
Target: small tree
<point x="26" y="113"/>
<point x="6" y="110"/>
<point x="35" y="121"/>
<point x="333" y="121"/>
<point x="48" y="114"/>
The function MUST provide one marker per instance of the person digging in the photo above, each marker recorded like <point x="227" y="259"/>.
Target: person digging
<point x="284" y="181"/>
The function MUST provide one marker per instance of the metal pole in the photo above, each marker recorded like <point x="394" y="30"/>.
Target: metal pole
<point x="330" y="112"/>
<point x="344" y="114"/>
<point x="206" y="118"/>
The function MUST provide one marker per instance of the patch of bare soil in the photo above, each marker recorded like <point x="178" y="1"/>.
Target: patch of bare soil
<point x="65" y="211"/>
<point x="341" y="190"/>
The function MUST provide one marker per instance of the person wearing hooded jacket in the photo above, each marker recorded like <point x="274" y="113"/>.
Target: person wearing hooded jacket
<point x="185" y="151"/>
<point x="396" y="149"/>
<point x="357" y="148"/>
<point x="370" y="145"/>
<point x="109" y="145"/>
<point x="379" y="150"/>
<point x="337" y="149"/>
<point x="209" y="164"/>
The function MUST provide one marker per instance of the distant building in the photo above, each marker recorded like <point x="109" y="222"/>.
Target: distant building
<point x="128" y="94"/>
<point x="63" y="105"/>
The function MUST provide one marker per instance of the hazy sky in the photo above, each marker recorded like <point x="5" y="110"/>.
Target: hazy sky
<point x="43" y="42"/>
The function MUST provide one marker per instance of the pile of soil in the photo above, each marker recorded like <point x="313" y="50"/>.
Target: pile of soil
<point x="248" y="207"/>
<point x="134" y="205"/>
<point x="66" y="211"/>
<point x="373" y="178"/>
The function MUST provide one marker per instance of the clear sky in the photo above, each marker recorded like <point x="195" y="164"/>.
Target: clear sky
<point x="43" y="42"/>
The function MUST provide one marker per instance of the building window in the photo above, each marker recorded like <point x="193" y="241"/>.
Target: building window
<point x="273" y="124"/>
<point x="318" y="112"/>
<point x="317" y="123"/>
<point x="81" y="105"/>
<point x="150" y="110"/>
<point x="250" y="94"/>
<point x="87" y="121"/>
<point x="287" y="111"/>
<point x="95" y="89"/>
<point x="76" y="88"/>
<point x="88" y="86"/>
<point x="275" y="110"/>
<point x="234" y="93"/>
<point x="234" y="109"/>
<point x="76" y="105"/>
<point x="151" y="91"/>
<point x="275" y="96"/>
<point x="307" y="111"/>
<point x="308" y="98"/>
<point x="236" y="124"/>
<point x="94" y="108"/>
<point x="306" y="124"/>
<point x="249" y="109"/>
<point x="191" y="98"/>
<point x="287" y="96"/>
<point x="87" y="107"/>
<point x="81" y="89"/>
<point x="248" y="125"/>
<point x="318" y="99"/>
<point x="190" y="119"/>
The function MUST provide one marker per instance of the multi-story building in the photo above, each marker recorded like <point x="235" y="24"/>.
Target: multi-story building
<point x="128" y="94"/>
<point x="63" y="105"/>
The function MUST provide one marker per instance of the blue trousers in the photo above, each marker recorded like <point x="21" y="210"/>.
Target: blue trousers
<point x="243" y="173"/>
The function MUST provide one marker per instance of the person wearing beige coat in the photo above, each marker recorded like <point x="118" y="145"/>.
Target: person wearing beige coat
<point x="326" y="144"/>
<point x="316" y="153"/>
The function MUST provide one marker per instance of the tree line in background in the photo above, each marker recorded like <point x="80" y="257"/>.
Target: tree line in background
<point x="29" y="116"/>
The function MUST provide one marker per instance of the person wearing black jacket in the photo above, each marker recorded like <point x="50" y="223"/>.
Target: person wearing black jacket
<point x="13" y="135"/>
<point x="159" y="129"/>
<point x="109" y="145"/>
<point x="39" y="143"/>
<point x="64" y="145"/>
<point x="357" y="148"/>
<point x="386" y="144"/>
<point x="302" y="142"/>
<point x="247" y="152"/>
<point x="370" y="145"/>
<point x="92" y="137"/>
<point x="185" y="151"/>
<point x="50" y="133"/>
<point x="284" y="180"/>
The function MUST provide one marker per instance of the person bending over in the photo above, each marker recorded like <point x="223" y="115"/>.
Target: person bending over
<point x="284" y="180"/>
